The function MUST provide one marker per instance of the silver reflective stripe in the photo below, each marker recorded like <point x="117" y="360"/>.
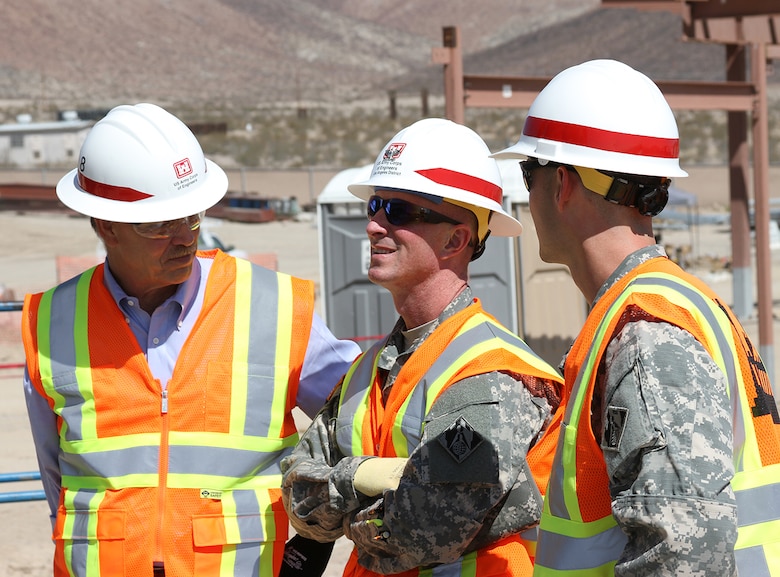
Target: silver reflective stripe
<point x="752" y="562"/>
<point x="353" y="396"/>
<point x="252" y="532"/>
<point x="80" y="547"/>
<point x="704" y="304"/>
<point x="249" y="526"/>
<point x="63" y="353"/>
<point x="453" y="569"/>
<point x="226" y="461"/>
<point x="758" y="505"/>
<point x="411" y="424"/>
<point x="531" y="534"/>
<point x="262" y="349"/>
<point x="113" y="463"/>
<point x="570" y="553"/>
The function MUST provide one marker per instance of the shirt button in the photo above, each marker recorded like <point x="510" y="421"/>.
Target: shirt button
<point x="156" y="341"/>
<point x="130" y="303"/>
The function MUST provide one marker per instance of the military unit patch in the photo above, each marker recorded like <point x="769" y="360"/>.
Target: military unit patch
<point x="460" y="439"/>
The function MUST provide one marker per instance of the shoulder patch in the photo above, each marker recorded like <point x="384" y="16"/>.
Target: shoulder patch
<point x="614" y="428"/>
<point x="460" y="439"/>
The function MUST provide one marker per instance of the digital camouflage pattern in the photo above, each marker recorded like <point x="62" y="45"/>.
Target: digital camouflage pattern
<point x="450" y="499"/>
<point x="663" y="416"/>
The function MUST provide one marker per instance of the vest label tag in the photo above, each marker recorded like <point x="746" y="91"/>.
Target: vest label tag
<point x="210" y="494"/>
<point x="614" y="429"/>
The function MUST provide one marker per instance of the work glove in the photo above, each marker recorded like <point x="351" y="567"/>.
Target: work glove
<point x="374" y="476"/>
<point x="305" y="557"/>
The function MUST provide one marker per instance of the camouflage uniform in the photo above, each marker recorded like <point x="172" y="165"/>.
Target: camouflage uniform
<point x="443" y="507"/>
<point x="663" y="418"/>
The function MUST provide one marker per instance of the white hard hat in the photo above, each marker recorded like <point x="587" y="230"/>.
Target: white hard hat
<point x="439" y="157"/>
<point x="141" y="164"/>
<point x="602" y="114"/>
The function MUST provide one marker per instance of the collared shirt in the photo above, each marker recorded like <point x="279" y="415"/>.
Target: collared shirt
<point x="161" y="337"/>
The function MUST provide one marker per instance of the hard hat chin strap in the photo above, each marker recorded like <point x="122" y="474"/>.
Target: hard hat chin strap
<point x="479" y="247"/>
<point x="648" y="194"/>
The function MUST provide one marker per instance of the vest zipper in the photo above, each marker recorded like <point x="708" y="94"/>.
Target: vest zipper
<point x="163" y="476"/>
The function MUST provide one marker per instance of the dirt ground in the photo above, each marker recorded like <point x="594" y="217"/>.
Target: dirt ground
<point x="28" y="263"/>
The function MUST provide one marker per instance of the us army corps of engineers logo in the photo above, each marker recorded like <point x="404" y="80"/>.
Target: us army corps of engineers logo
<point x="460" y="439"/>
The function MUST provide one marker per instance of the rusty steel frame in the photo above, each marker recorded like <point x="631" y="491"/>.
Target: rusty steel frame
<point x="751" y="30"/>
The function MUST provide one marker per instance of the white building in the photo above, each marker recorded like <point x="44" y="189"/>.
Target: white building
<point x="42" y="144"/>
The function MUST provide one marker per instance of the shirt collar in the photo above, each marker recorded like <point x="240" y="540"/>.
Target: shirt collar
<point x="629" y="263"/>
<point x="184" y="296"/>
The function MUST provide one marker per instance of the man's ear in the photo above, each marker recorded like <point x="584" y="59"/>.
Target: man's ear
<point x="565" y="182"/>
<point x="458" y="241"/>
<point x="105" y="230"/>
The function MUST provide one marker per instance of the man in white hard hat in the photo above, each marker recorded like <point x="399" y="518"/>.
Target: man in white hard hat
<point x="421" y="456"/>
<point x="160" y="384"/>
<point x="668" y="435"/>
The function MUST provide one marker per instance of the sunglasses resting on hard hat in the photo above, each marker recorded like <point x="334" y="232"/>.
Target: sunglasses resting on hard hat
<point x="167" y="228"/>
<point x="400" y="212"/>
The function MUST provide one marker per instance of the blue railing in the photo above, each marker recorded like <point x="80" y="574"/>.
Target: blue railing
<point x="15" y="496"/>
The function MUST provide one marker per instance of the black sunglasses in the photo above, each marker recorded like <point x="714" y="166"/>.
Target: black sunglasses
<point x="527" y="167"/>
<point x="400" y="213"/>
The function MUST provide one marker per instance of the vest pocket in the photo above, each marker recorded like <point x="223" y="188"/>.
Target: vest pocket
<point x="233" y="529"/>
<point x="92" y="524"/>
<point x="76" y="531"/>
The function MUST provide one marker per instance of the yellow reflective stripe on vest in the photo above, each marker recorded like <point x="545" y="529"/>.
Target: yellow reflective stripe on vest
<point x="80" y="531"/>
<point x="243" y="303"/>
<point x="722" y="347"/>
<point x="64" y="348"/>
<point x="594" y="547"/>
<point x="758" y="512"/>
<point x="78" y="347"/>
<point x="465" y="566"/>
<point x="283" y="340"/>
<point x="562" y="501"/>
<point x="354" y="399"/>
<point x="478" y="335"/>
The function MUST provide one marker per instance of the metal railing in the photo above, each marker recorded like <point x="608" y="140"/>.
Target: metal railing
<point x="16" y="496"/>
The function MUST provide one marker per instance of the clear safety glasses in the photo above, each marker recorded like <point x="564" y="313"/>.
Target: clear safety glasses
<point x="167" y="228"/>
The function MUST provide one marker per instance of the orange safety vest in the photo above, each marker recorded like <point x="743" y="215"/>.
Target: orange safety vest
<point x="187" y="474"/>
<point x="578" y="534"/>
<point x="469" y="343"/>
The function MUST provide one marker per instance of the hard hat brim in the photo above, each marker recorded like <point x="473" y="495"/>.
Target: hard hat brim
<point x="151" y="209"/>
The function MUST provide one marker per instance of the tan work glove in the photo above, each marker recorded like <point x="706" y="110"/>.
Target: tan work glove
<point x="375" y="475"/>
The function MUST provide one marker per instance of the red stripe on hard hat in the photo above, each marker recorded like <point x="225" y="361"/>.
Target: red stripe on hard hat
<point x="463" y="181"/>
<point x="601" y="139"/>
<point x="111" y="192"/>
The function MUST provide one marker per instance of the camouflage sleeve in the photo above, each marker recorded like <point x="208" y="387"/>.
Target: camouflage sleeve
<point x="667" y="442"/>
<point x="471" y="454"/>
<point x="317" y="487"/>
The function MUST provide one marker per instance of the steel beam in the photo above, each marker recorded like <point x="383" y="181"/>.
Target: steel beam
<point x="519" y="92"/>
